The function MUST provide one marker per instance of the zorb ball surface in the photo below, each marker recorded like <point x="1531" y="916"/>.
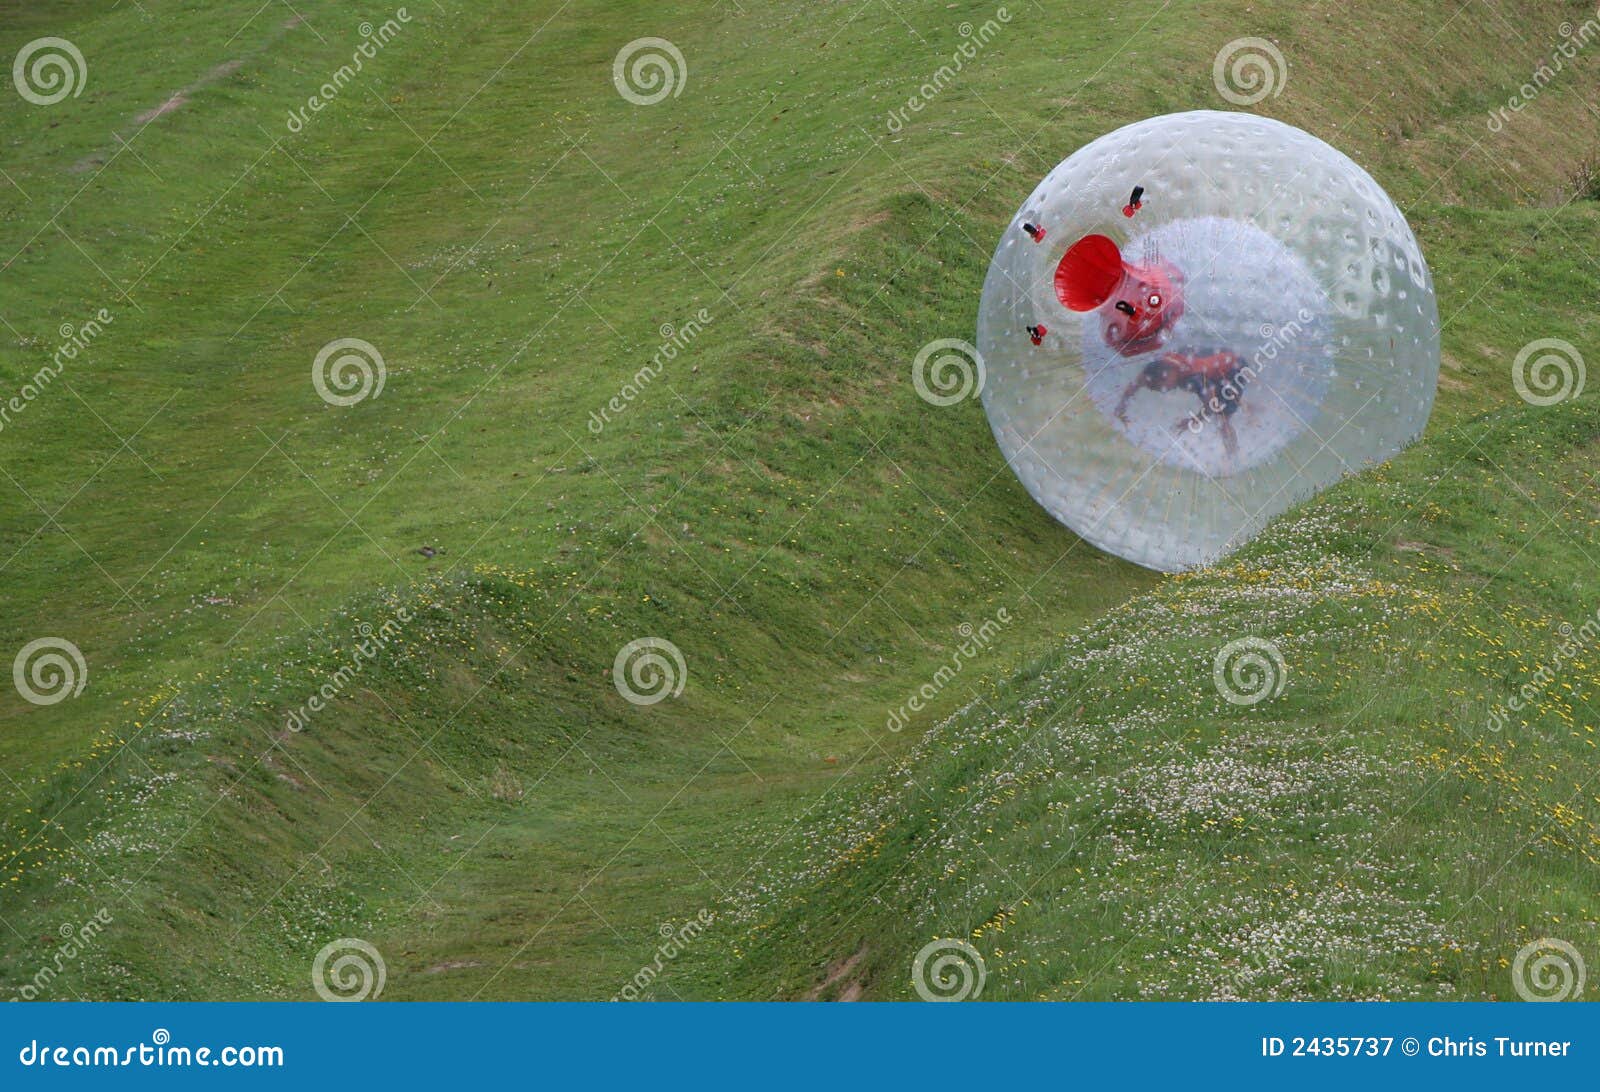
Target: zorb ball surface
<point x="1196" y="321"/>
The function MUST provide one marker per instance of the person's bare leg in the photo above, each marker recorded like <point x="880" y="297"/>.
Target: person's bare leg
<point x="1230" y="441"/>
<point x="1127" y="396"/>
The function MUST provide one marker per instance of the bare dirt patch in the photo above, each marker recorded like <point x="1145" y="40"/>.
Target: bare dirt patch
<point x="838" y="971"/>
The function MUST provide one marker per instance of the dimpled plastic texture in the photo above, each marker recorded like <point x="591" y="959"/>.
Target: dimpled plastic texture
<point x="1306" y="344"/>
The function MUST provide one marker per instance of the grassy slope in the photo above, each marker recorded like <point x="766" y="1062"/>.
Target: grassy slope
<point x="1102" y="824"/>
<point x="532" y="845"/>
<point x="752" y="508"/>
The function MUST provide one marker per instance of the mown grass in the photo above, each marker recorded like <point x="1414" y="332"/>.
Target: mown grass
<point x="1105" y="825"/>
<point x="485" y="208"/>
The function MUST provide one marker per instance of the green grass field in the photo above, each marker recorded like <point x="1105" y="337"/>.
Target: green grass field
<point x="517" y="240"/>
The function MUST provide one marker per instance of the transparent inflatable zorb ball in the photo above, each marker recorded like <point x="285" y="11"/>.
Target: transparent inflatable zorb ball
<point x="1195" y="322"/>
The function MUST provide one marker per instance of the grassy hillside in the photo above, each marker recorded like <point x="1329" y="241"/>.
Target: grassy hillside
<point x="514" y="237"/>
<point x="1105" y="824"/>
